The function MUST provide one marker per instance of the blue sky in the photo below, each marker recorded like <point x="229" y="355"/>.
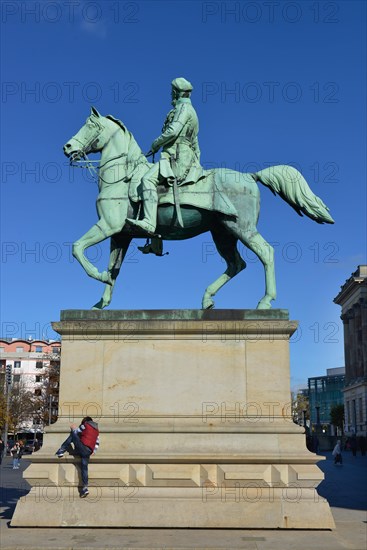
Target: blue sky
<point x="274" y="82"/>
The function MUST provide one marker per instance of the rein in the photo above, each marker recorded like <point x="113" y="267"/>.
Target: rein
<point x="76" y="162"/>
<point x="86" y="162"/>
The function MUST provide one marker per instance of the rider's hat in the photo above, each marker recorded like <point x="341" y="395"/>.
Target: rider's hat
<point x="182" y="85"/>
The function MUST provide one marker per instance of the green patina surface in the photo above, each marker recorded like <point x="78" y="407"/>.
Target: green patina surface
<point x="191" y="201"/>
<point x="174" y="315"/>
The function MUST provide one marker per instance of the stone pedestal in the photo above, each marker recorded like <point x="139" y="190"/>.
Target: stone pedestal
<point x="195" y="418"/>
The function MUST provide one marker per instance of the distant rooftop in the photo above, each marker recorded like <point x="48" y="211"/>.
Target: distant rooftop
<point x="29" y="340"/>
<point x="361" y="271"/>
<point x="335" y="371"/>
<point x="359" y="277"/>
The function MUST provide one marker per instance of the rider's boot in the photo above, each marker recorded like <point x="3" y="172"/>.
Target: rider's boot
<point x="149" y="221"/>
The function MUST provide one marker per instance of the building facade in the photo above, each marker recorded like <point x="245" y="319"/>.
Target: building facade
<point x="353" y="300"/>
<point x="35" y="367"/>
<point x="325" y="392"/>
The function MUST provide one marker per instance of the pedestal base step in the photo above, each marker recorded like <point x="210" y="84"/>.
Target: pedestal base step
<point x="209" y="507"/>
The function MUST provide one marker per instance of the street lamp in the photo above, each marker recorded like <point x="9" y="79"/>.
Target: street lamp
<point x="8" y="384"/>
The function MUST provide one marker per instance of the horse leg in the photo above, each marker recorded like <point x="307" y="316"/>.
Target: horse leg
<point x="98" y="233"/>
<point x="265" y="252"/>
<point x="117" y="255"/>
<point x="226" y="244"/>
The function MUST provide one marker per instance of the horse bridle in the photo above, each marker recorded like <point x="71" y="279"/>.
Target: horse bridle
<point x="84" y="146"/>
<point x="85" y="161"/>
<point x="80" y="159"/>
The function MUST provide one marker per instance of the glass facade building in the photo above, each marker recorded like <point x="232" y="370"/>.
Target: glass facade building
<point x="324" y="393"/>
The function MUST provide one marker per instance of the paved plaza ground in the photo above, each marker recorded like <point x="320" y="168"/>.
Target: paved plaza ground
<point x="345" y="487"/>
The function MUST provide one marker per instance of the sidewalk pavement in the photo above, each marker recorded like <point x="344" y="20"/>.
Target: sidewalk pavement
<point x="344" y="487"/>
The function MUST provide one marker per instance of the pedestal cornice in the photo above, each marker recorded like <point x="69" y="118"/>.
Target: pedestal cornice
<point x="231" y="324"/>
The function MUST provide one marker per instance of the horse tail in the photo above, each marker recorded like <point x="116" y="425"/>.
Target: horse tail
<point x="292" y="187"/>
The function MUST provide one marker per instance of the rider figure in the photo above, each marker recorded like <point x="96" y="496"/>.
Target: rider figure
<point x="180" y="159"/>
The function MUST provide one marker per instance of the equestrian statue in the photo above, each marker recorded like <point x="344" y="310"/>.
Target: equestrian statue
<point x="176" y="198"/>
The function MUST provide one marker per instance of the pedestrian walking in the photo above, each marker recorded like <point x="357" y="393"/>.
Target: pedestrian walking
<point x="17" y="452"/>
<point x="337" y="453"/>
<point x="85" y="440"/>
<point x="353" y="445"/>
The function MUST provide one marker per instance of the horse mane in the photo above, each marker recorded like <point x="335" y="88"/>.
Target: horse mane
<point x="119" y="122"/>
<point x="133" y="147"/>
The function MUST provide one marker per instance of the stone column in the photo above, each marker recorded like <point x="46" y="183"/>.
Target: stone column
<point x="351" y="345"/>
<point x="345" y="318"/>
<point x="363" y="304"/>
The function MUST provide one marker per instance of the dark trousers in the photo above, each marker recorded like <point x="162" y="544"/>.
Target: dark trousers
<point x="338" y="459"/>
<point x="81" y="450"/>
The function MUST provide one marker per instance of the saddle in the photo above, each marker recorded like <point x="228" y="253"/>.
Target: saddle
<point x="209" y="193"/>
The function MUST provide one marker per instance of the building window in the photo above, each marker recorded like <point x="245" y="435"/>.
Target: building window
<point x="39" y="349"/>
<point x="17" y="364"/>
<point x="2" y="349"/>
<point x="39" y="365"/>
<point x="38" y="378"/>
<point x="16" y="378"/>
<point x="19" y="349"/>
<point x="38" y="391"/>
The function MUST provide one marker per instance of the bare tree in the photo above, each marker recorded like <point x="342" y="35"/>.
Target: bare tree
<point x="48" y="395"/>
<point x="22" y="406"/>
<point x="300" y="408"/>
<point x="2" y="411"/>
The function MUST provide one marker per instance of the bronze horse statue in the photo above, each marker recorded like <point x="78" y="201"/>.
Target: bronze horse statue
<point x="123" y="163"/>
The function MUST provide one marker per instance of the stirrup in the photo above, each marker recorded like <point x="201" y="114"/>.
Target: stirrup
<point x="153" y="246"/>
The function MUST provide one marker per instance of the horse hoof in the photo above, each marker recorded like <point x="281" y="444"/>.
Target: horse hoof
<point x="99" y="305"/>
<point x="263" y="305"/>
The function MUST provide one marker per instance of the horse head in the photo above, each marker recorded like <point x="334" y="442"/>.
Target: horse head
<point x="91" y="138"/>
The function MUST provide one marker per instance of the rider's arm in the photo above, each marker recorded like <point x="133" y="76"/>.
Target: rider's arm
<point x="182" y="114"/>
